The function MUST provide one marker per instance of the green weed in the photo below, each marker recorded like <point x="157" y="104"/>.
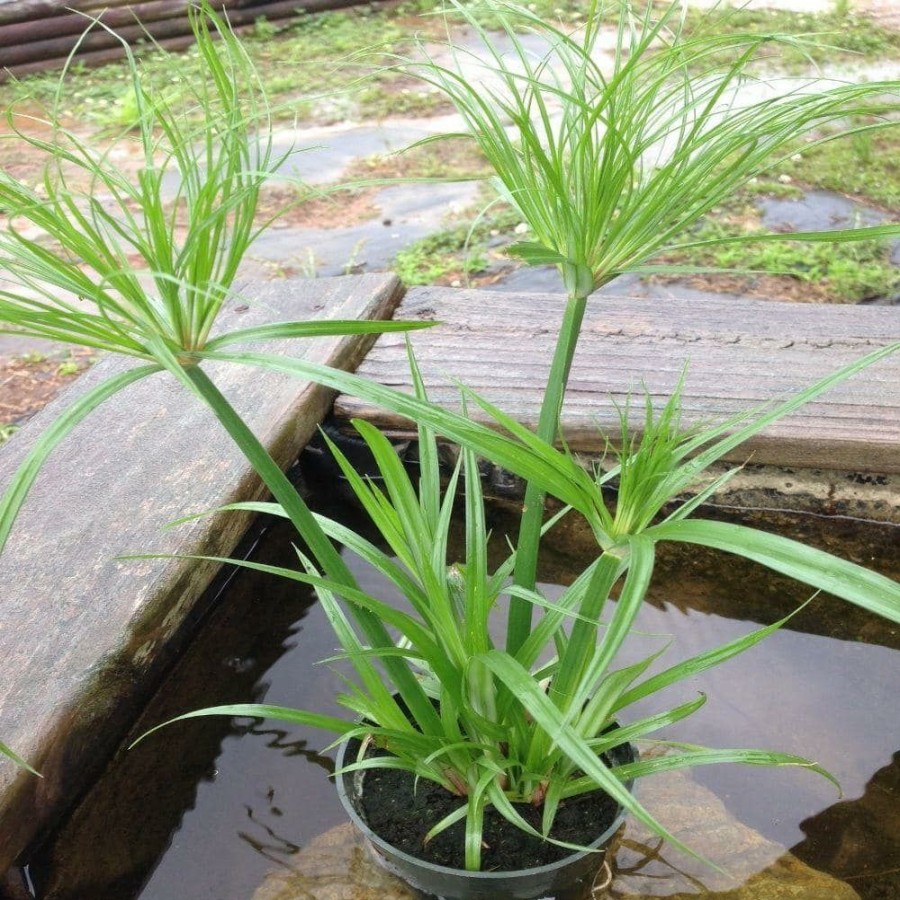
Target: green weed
<point x="866" y="167"/>
<point x="32" y="358"/>
<point x="438" y="256"/>
<point x="386" y="97"/>
<point x="68" y="367"/>
<point x="321" y="53"/>
<point x="264" y="30"/>
<point x="448" y="159"/>
<point x="842" y="273"/>
<point x="771" y="187"/>
<point x="458" y="250"/>
<point x="838" y="35"/>
<point x="316" y="55"/>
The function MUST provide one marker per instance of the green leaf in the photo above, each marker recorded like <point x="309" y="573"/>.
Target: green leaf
<point x="532" y="698"/>
<point x="315" y="328"/>
<point x="9" y="752"/>
<point x="308" y="526"/>
<point x="502" y="450"/>
<point x="640" y="728"/>
<point x="702" y="756"/>
<point x="838" y="235"/>
<point x="867" y="589"/>
<point x="701" y="662"/>
<point x="24" y="477"/>
<point x="475" y="805"/>
<point x="579" y="655"/>
<point x="535" y="254"/>
<point x="260" y="711"/>
<point x="458" y="815"/>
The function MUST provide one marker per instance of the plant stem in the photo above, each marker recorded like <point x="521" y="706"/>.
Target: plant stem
<point x="275" y="480"/>
<point x="527" y="546"/>
<point x="325" y="553"/>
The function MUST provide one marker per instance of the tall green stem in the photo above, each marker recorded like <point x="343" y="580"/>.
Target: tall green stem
<point x="319" y="544"/>
<point x="275" y="480"/>
<point x="528" y="544"/>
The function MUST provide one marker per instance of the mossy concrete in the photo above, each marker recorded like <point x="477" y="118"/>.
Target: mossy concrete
<point x="85" y="634"/>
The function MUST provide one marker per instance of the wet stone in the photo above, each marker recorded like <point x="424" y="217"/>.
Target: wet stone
<point x="755" y="867"/>
<point x="335" y="866"/>
<point x="814" y="208"/>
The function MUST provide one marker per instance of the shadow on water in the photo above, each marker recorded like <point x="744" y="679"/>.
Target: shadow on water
<point x="859" y="840"/>
<point x="212" y="799"/>
<point x="206" y="808"/>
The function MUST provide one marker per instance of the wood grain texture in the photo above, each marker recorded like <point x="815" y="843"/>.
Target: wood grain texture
<point x="37" y="35"/>
<point x="84" y="634"/>
<point x="738" y="353"/>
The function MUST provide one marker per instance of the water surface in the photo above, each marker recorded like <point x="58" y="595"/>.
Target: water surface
<point x="205" y="809"/>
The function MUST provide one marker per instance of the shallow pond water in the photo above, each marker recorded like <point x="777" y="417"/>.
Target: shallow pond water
<point x="203" y="810"/>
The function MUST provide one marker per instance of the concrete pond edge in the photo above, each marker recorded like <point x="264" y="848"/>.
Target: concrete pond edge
<point x="87" y="636"/>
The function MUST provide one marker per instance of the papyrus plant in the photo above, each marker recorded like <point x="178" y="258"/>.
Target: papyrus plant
<point x="607" y="167"/>
<point x="140" y="265"/>
<point x="160" y="311"/>
<point x="610" y="156"/>
<point x="530" y="727"/>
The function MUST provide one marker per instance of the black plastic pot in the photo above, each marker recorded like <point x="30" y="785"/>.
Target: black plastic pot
<point x="570" y="878"/>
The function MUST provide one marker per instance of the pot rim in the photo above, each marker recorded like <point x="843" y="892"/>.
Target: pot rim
<point x="343" y="778"/>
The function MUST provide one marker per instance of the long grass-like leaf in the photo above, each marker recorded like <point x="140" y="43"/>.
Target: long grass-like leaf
<point x="702" y="756"/>
<point x="555" y="479"/>
<point x="11" y="754"/>
<point x="552" y="721"/>
<point x="24" y="477"/>
<point x="863" y="587"/>
<point x="314" y="328"/>
<point x="260" y="711"/>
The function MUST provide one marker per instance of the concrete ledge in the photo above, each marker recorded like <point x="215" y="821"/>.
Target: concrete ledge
<point x="84" y="637"/>
<point x="740" y="353"/>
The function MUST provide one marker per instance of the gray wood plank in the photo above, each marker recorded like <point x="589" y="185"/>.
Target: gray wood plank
<point x="737" y="352"/>
<point x="85" y="636"/>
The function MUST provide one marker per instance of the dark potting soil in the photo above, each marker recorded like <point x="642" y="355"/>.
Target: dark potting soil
<point x="402" y="811"/>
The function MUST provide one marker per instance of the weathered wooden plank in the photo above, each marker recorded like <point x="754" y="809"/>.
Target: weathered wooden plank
<point x="23" y="10"/>
<point x="738" y="353"/>
<point x="94" y="58"/>
<point x="60" y="46"/>
<point x="33" y="10"/>
<point x="34" y="45"/>
<point x="33" y="30"/>
<point x="85" y="636"/>
<point x="160" y="24"/>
